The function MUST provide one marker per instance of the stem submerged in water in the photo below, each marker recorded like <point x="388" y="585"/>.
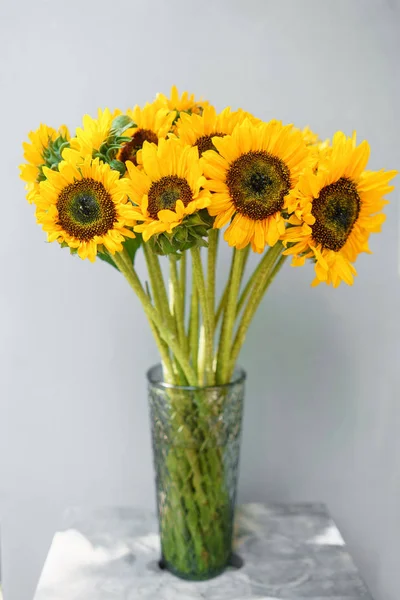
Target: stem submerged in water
<point x="196" y="455"/>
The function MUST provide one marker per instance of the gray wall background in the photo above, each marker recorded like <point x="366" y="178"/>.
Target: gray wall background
<point x="323" y="413"/>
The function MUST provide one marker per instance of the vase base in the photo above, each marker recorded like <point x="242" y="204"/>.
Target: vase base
<point x="235" y="562"/>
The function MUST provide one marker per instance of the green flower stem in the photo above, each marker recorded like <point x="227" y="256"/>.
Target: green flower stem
<point x="221" y="305"/>
<point x="229" y="317"/>
<point x="208" y="461"/>
<point x="194" y="327"/>
<point x="197" y="492"/>
<point x="162" y="345"/>
<point x="176" y="301"/>
<point x="246" y="252"/>
<point x="161" y="300"/>
<point x="201" y="358"/>
<point x="247" y="289"/>
<point x="157" y="284"/>
<point x="182" y="284"/>
<point x="168" y="335"/>
<point x="211" y="273"/>
<point x="198" y="276"/>
<point x="187" y="513"/>
<point x="196" y="486"/>
<point x="265" y="276"/>
<point x="193" y="537"/>
<point x="224" y="297"/>
<point x="278" y="265"/>
<point x="168" y="370"/>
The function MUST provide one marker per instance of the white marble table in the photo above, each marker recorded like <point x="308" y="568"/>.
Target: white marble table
<point x="289" y="551"/>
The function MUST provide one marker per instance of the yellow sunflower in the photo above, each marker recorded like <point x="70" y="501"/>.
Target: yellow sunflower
<point x="198" y="130"/>
<point x="84" y="206"/>
<point x="254" y="171"/>
<point x="37" y="153"/>
<point x="179" y="103"/>
<point x="151" y="124"/>
<point x="334" y="210"/>
<point x="94" y="132"/>
<point x="167" y="188"/>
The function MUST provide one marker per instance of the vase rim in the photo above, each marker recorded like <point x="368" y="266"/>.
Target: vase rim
<point x="153" y="377"/>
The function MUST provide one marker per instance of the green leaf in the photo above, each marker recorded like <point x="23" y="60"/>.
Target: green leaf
<point x="107" y="258"/>
<point x="132" y="246"/>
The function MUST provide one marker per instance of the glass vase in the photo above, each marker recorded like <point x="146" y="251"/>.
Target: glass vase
<point x="196" y="442"/>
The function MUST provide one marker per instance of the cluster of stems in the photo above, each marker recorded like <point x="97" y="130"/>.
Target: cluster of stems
<point x="200" y="340"/>
<point x="199" y="343"/>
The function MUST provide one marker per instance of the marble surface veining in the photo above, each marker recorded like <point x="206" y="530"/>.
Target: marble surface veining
<point x="289" y="552"/>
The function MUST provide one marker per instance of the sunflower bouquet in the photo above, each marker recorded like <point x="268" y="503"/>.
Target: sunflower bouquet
<point x="165" y="179"/>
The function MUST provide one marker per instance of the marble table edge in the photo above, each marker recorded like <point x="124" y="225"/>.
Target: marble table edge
<point x="291" y="551"/>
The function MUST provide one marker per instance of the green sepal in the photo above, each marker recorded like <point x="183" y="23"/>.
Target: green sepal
<point x="71" y="250"/>
<point x="189" y="111"/>
<point x="119" y="166"/>
<point x="102" y="254"/>
<point x="52" y="155"/>
<point x="192" y="232"/>
<point x="132" y="245"/>
<point x="110" y="147"/>
<point x="110" y="151"/>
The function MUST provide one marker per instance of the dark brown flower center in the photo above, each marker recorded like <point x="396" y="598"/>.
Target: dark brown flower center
<point x="130" y="149"/>
<point x="165" y="192"/>
<point x="86" y="209"/>
<point x="335" y="210"/>
<point x="258" y="183"/>
<point x="205" y="142"/>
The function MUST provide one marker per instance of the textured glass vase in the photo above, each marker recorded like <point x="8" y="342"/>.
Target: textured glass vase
<point x="196" y="442"/>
